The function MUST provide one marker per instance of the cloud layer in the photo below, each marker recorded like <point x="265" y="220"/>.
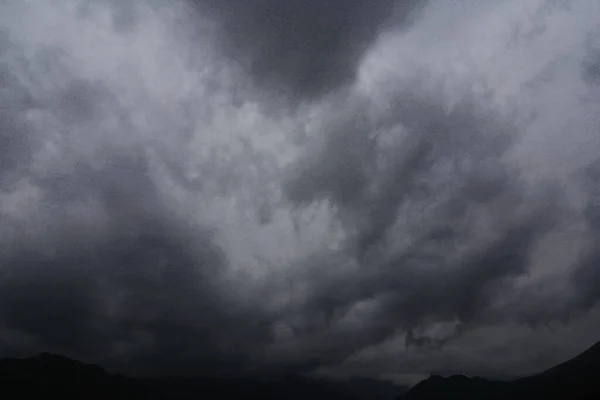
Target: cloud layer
<point x="342" y="187"/>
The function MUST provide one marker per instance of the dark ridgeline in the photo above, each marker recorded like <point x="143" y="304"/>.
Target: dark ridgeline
<point x="576" y="379"/>
<point x="48" y="374"/>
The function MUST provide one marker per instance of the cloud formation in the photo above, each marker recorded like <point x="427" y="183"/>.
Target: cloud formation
<point x="303" y="48"/>
<point x="341" y="188"/>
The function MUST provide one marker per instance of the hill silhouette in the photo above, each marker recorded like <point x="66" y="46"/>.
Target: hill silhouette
<point x="576" y="379"/>
<point x="49" y="374"/>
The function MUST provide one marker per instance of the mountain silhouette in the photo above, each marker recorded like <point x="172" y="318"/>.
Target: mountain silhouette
<point x="576" y="379"/>
<point x="48" y="374"/>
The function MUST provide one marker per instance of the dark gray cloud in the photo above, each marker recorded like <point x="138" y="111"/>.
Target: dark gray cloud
<point x="358" y="171"/>
<point x="428" y="279"/>
<point x="591" y="62"/>
<point x="142" y="280"/>
<point x="586" y="270"/>
<point x="157" y="216"/>
<point x="303" y="47"/>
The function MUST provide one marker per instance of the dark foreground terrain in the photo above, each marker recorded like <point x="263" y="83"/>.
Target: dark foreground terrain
<point x="48" y="374"/>
<point x="576" y="379"/>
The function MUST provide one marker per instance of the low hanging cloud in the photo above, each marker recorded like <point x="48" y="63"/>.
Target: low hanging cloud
<point x="454" y="169"/>
<point x="413" y="198"/>
<point x="112" y="270"/>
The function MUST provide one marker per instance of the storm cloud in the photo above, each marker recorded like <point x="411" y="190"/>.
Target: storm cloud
<point x="303" y="48"/>
<point x="374" y="188"/>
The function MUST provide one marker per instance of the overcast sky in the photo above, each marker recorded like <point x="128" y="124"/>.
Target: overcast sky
<point x="377" y="188"/>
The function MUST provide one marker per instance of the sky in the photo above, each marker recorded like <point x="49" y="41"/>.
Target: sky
<point x="343" y="188"/>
